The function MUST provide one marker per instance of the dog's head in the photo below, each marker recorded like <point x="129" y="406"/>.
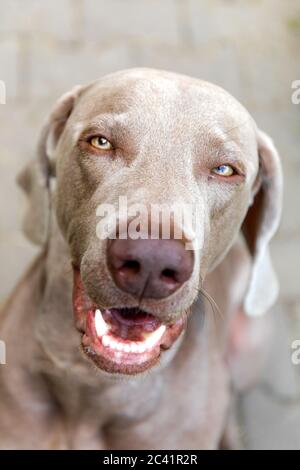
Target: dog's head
<point x="190" y="169"/>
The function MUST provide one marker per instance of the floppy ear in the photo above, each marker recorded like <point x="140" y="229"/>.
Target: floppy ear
<point x="35" y="178"/>
<point x="259" y="227"/>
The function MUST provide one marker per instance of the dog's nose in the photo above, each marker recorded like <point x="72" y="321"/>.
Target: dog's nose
<point x="149" y="268"/>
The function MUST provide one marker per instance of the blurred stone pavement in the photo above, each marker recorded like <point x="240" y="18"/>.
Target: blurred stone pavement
<point x="249" y="47"/>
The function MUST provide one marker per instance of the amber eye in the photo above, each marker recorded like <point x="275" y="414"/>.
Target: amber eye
<point x="101" y="143"/>
<point x="223" y="170"/>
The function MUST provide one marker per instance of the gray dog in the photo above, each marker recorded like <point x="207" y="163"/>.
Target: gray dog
<point x="149" y="363"/>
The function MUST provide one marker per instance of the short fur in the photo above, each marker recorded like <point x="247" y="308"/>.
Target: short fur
<point x="169" y="128"/>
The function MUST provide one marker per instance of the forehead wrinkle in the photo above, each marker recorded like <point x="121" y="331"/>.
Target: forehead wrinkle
<point x="101" y="119"/>
<point x="104" y="122"/>
<point x="222" y="139"/>
<point x="134" y="104"/>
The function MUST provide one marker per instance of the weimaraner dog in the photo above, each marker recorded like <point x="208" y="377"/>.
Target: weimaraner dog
<point x="134" y="342"/>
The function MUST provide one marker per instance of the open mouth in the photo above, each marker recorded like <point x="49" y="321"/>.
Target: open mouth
<point x="121" y="340"/>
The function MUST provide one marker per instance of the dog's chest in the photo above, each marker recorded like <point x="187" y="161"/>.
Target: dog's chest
<point x="108" y="404"/>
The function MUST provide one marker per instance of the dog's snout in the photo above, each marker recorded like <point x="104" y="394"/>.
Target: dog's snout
<point x="149" y="268"/>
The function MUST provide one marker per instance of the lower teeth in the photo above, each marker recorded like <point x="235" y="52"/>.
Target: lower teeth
<point x="149" y="342"/>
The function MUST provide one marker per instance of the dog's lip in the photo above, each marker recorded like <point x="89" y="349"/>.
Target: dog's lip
<point x="128" y="356"/>
<point x="124" y="360"/>
<point x="121" y="344"/>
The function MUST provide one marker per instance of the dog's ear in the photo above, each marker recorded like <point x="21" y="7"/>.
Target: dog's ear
<point x="35" y="177"/>
<point x="260" y="225"/>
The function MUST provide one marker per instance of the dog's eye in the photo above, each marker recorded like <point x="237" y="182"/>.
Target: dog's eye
<point x="101" y="143"/>
<point x="224" y="170"/>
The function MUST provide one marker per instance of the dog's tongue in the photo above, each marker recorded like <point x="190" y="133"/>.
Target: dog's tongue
<point x="130" y="323"/>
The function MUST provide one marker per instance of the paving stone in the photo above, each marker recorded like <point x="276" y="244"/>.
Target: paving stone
<point x="286" y="259"/>
<point x="72" y="66"/>
<point x="9" y="67"/>
<point x="154" y="19"/>
<point x="54" y="17"/>
<point x="270" y="412"/>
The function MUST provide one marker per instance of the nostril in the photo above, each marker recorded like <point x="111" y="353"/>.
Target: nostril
<point x="168" y="275"/>
<point x="132" y="266"/>
<point x="152" y="269"/>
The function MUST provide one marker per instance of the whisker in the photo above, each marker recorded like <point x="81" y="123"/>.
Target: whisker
<point x="213" y="304"/>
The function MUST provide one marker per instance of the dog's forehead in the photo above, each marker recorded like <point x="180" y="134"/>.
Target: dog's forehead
<point x="132" y="89"/>
<point x="147" y="98"/>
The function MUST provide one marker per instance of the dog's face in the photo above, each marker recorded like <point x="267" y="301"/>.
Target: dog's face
<point x="153" y="138"/>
